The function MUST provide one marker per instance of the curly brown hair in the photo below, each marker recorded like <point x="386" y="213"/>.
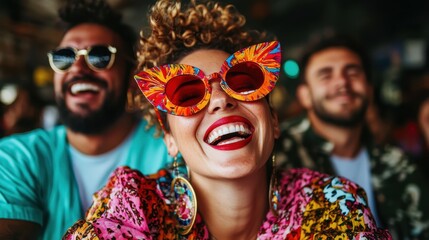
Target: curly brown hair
<point x="177" y="29"/>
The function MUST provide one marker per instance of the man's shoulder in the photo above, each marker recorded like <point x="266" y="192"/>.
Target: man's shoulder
<point x="147" y="151"/>
<point x="34" y="138"/>
<point x="391" y="164"/>
<point x="294" y="133"/>
<point x="295" y="127"/>
<point x="146" y="129"/>
<point x="388" y="154"/>
<point x="296" y="124"/>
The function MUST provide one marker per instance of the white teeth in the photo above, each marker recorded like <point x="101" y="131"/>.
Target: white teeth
<point x="79" y="87"/>
<point x="227" y="129"/>
<point x="231" y="128"/>
<point x="229" y="141"/>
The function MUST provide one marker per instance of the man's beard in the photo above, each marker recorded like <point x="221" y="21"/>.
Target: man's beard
<point x="354" y="119"/>
<point x="96" y="121"/>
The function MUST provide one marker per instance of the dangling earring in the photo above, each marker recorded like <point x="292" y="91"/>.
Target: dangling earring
<point x="274" y="193"/>
<point x="185" y="201"/>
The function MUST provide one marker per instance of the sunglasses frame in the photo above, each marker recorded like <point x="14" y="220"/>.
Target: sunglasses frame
<point x="83" y="52"/>
<point x="152" y="82"/>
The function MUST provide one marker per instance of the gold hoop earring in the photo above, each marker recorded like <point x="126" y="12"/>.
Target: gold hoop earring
<point x="274" y="193"/>
<point x="185" y="201"/>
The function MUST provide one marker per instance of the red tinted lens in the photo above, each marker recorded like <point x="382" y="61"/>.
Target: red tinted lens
<point x="185" y="90"/>
<point x="245" y="77"/>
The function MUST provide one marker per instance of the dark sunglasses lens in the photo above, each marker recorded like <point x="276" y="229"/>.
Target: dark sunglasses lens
<point x="63" y="58"/>
<point x="245" y="77"/>
<point x="99" y="56"/>
<point x="185" y="90"/>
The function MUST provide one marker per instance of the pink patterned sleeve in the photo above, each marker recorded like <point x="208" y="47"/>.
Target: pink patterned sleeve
<point x="130" y="206"/>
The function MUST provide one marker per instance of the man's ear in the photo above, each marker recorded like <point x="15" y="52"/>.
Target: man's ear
<point x="170" y="142"/>
<point x="303" y="95"/>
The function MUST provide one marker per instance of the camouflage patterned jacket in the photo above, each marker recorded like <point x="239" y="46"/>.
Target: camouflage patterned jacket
<point x="400" y="189"/>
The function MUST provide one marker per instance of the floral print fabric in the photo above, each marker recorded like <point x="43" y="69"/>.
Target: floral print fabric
<point x="399" y="186"/>
<point x="312" y="206"/>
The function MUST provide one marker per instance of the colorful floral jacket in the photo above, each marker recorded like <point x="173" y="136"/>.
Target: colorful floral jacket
<point x="400" y="189"/>
<point x="312" y="206"/>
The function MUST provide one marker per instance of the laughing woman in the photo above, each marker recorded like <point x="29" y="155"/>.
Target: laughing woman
<point x="208" y="80"/>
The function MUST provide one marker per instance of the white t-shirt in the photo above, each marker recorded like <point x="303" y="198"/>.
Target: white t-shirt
<point x="358" y="170"/>
<point x="92" y="172"/>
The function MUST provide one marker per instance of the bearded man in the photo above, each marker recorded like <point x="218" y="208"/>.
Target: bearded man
<point x="335" y="91"/>
<point x="47" y="178"/>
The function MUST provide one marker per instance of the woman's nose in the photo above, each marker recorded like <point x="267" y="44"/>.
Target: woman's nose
<point x="219" y="99"/>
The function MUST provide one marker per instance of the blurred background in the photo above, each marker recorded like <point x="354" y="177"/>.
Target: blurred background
<point x="395" y="33"/>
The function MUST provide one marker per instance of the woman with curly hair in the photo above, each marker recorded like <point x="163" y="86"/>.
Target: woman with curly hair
<point x="208" y="80"/>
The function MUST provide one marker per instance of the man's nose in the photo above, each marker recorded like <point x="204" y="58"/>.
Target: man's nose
<point x="80" y="65"/>
<point x="341" y="79"/>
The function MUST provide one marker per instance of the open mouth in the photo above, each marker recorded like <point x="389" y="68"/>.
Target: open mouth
<point x="81" y="87"/>
<point x="84" y="87"/>
<point x="229" y="133"/>
<point x="85" y="84"/>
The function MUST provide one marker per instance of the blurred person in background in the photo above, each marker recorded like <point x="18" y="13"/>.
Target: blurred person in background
<point x="333" y="138"/>
<point x="423" y="120"/>
<point x="413" y="134"/>
<point x="21" y="109"/>
<point x="47" y="177"/>
<point x="380" y="124"/>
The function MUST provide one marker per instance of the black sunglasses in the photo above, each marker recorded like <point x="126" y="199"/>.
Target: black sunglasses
<point x="98" y="57"/>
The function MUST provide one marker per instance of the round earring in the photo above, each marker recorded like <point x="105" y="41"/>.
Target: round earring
<point x="185" y="201"/>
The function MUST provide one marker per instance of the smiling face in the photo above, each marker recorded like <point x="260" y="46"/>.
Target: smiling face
<point x="336" y="90"/>
<point x="91" y="100"/>
<point x="228" y="138"/>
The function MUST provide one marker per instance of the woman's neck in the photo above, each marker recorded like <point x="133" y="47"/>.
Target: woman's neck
<point x="233" y="209"/>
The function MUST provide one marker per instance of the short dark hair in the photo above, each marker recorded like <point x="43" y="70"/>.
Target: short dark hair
<point x="75" y="12"/>
<point x="339" y="40"/>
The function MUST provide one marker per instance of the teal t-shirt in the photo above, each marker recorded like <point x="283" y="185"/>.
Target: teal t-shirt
<point x="37" y="183"/>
